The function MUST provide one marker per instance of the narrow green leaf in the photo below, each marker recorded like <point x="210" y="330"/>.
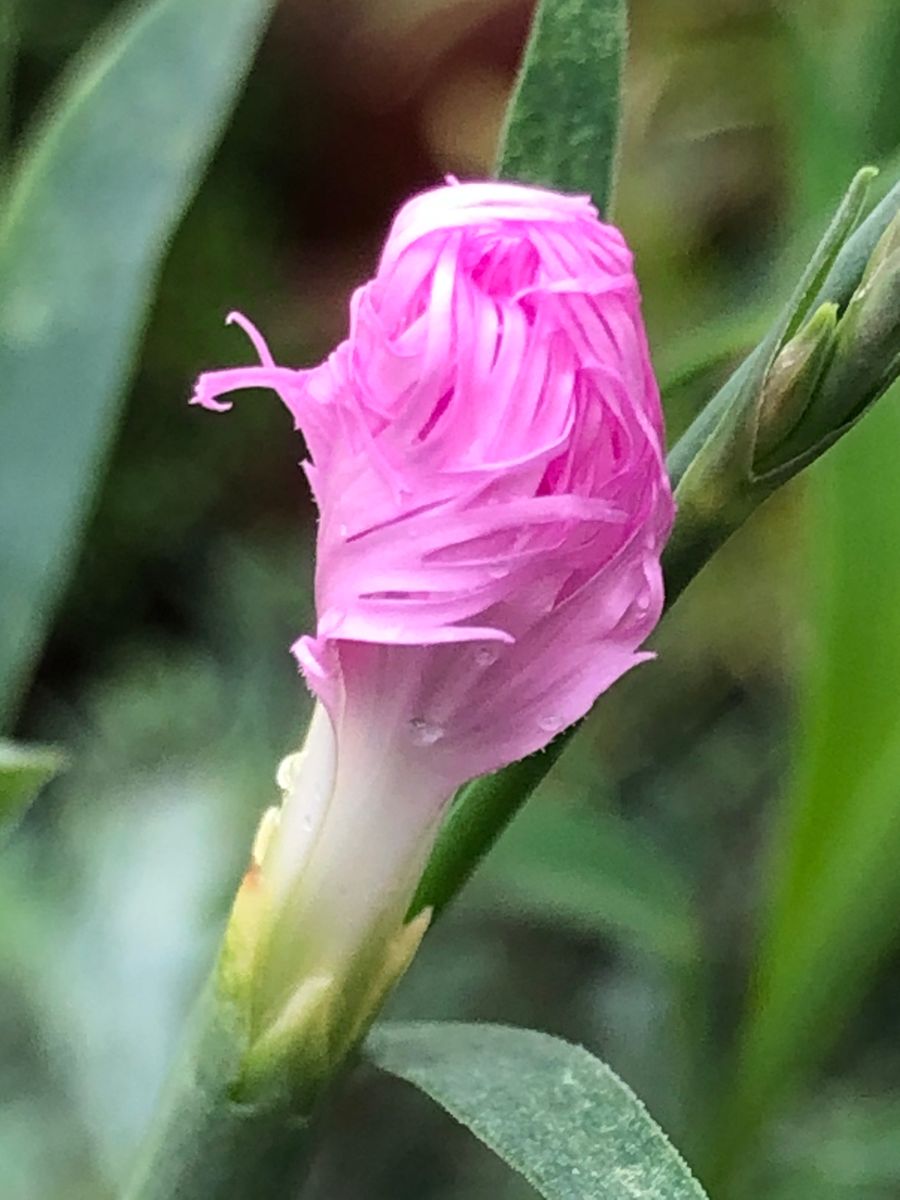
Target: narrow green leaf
<point x="593" y="871"/>
<point x="833" y="914"/>
<point x="23" y="772"/>
<point x="95" y="198"/>
<point x="850" y="701"/>
<point x="549" y="1109"/>
<point x="562" y="124"/>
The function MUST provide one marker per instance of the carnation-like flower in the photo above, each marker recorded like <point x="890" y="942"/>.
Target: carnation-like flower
<point x="486" y="453"/>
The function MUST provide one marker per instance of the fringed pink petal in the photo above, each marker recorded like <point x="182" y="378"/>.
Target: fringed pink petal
<point x="487" y="457"/>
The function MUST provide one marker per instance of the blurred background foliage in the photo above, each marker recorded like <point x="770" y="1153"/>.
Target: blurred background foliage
<point x="704" y="892"/>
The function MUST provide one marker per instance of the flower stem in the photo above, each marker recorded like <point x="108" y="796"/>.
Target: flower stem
<point x="211" y="1143"/>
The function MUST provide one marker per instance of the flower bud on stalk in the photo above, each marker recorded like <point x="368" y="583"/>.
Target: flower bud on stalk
<point x="831" y="353"/>
<point x="487" y="459"/>
<point x="792" y="380"/>
<point x="837" y="365"/>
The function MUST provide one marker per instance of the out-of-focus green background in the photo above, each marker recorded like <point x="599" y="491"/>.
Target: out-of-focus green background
<point x="704" y="891"/>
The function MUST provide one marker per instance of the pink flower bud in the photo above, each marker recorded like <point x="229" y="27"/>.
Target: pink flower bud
<point x="487" y="459"/>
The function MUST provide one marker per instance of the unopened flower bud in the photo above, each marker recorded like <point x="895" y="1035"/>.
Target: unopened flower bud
<point x="792" y="379"/>
<point x="488" y="462"/>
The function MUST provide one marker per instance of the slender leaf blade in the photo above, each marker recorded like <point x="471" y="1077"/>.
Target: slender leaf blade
<point x="562" y="126"/>
<point x="86" y="221"/>
<point x="832" y="915"/>
<point x="549" y="1109"/>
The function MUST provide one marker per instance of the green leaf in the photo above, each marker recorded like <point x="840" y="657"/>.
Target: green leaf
<point x="23" y="772"/>
<point x="836" y="891"/>
<point x="563" y="121"/>
<point x="96" y="196"/>
<point x="594" y="871"/>
<point x="549" y="1109"/>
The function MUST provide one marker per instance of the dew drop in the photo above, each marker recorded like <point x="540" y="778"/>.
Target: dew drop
<point x="343" y="530"/>
<point x="498" y="572"/>
<point x="423" y="732"/>
<point x="485" y="657"/>
<point x="550" y="724"/>
<point x="330" y="621"/>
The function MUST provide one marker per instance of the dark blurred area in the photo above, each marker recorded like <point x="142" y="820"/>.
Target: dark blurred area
<point x="167" y="672"/>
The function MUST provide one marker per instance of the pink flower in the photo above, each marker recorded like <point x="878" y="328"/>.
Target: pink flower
<point x="487" y="459"/>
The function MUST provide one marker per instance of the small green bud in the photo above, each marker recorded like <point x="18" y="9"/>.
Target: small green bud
<point x="826" y="377"/>
<point x="801" y="388"/>
<point x="792" y="379"/>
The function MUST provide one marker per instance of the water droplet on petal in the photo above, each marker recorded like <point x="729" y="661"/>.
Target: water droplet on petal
<point x="330" y="621"/>
<point x="498" y="572"/>
<point x="485" y="657"/>
<point x="391" y="632"/>
<point x="424" y="733"/>
<point x="343" y="530"/>
<point x="550" y="724"/>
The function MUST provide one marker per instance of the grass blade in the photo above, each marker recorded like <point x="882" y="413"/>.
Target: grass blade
<point x="89" y="211"/>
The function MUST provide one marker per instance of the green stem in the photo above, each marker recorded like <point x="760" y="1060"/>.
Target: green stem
<point x="481" y="812"/>
<point x="210" y="1144"/>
